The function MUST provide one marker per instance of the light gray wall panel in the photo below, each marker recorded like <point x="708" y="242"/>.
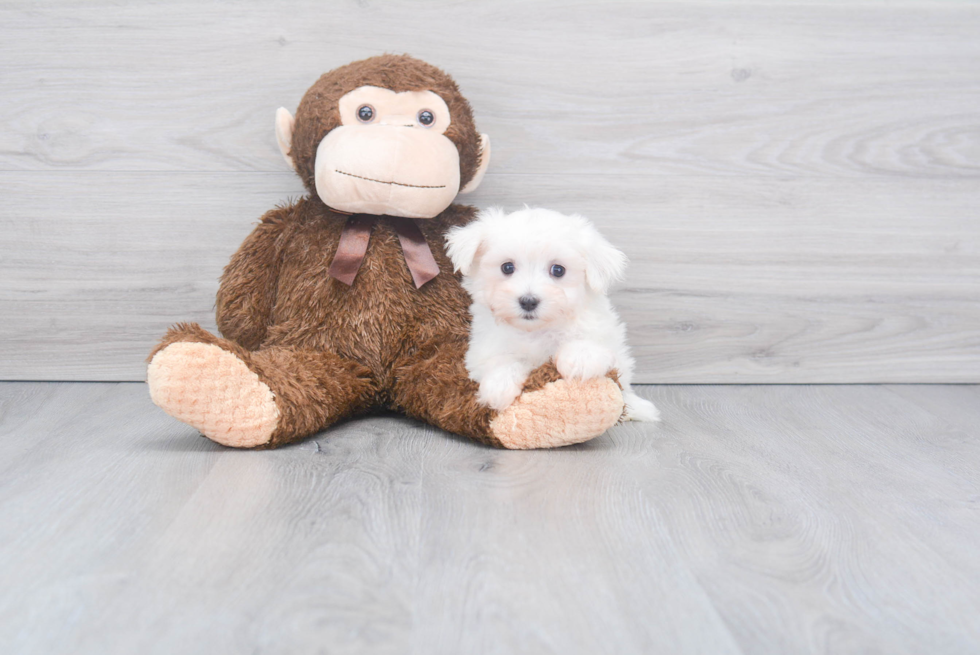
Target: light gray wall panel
<point x="803" y="280"/>
<point x="798" y="185"/>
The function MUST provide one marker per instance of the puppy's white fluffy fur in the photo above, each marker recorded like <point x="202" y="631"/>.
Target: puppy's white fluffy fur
<point x="538" y="280"/>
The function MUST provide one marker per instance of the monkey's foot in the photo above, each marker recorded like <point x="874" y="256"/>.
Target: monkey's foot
<point x="213" y="391"/>
<point x="560" y="413"/>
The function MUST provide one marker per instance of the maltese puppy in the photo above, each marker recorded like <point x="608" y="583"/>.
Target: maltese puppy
<point x="538" y="280"/>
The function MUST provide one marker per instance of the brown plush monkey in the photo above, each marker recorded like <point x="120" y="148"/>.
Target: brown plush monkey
<point x="344" y="302"/>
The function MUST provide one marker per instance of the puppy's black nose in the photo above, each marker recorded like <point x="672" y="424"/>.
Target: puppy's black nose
<point x="528" y="303"/>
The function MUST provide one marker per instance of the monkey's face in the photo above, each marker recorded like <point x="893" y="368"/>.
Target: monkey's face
<point x="375" y="150"/>
<point x="389" y="155"/>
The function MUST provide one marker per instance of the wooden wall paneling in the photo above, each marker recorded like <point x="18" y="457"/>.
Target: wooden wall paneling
<point x="797" y="184"/>
<point x="761" y="280"/>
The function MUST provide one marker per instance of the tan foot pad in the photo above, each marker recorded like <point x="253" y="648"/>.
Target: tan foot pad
<point x="213" y="391"/>
<point x="563" y="412"/>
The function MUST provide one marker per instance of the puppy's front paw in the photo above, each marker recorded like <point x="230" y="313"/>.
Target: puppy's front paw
<point x="584" y="360"/>
<point x="499" y="388"/>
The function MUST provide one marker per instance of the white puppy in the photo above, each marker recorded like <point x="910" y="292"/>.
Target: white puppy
<point x="538" y="280"/>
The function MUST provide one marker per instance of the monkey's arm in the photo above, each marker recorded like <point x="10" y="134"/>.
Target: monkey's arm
<point x="246" y="296"/>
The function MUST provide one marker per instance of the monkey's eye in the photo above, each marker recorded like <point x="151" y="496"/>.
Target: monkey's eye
<point x="426" y="118"/>
<point x="557" y="270"/>
<point x="365" y="113"/>
<point x="507" y="268"/>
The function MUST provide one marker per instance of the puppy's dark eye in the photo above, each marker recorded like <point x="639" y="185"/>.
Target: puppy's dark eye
<point x="507" y="268"/>
<point x="365" y="113"/>
<point x="557" y="270"/>
<point x="426" y="118"/>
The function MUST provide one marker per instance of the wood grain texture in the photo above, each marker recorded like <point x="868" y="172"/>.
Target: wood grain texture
<point x="758" y="280"/>
<point x="796" y="183"/>
<point x="754" y="519"/>
<point x="847" y="89"/>
<point x="841" y="498"/>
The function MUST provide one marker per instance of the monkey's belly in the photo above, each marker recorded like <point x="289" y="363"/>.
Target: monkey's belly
<point x="372" y="321"/>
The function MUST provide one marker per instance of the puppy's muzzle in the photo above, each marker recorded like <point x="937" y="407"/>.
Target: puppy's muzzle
<point x="529" y="303"/>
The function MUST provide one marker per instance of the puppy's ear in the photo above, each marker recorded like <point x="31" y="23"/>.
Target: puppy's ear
<point x="604" y="263"/>
<point x="462" y="244"/>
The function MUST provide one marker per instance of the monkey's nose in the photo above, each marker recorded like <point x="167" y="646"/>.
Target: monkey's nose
<point x="528" y="303"/>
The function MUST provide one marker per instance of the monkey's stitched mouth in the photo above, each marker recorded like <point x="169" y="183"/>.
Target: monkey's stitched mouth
<point x="414" y="186"/>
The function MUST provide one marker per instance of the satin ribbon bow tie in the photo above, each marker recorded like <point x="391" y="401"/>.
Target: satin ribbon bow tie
<point x="354" y="242"/>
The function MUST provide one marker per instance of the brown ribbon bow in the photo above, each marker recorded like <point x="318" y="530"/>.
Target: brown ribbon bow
<point x="354" y="242"/>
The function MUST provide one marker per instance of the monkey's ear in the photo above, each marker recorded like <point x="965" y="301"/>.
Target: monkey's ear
<point x="462" y="245"/>
<point x="604" y="263"/>
<point x="481" y="171"/>
<point x="284" y="134"/>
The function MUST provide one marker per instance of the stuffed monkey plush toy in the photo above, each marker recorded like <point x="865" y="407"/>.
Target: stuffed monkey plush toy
<point x="345" y="301"/>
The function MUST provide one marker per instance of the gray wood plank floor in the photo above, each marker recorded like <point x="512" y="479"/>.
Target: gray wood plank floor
<point x="755" y="519"/>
